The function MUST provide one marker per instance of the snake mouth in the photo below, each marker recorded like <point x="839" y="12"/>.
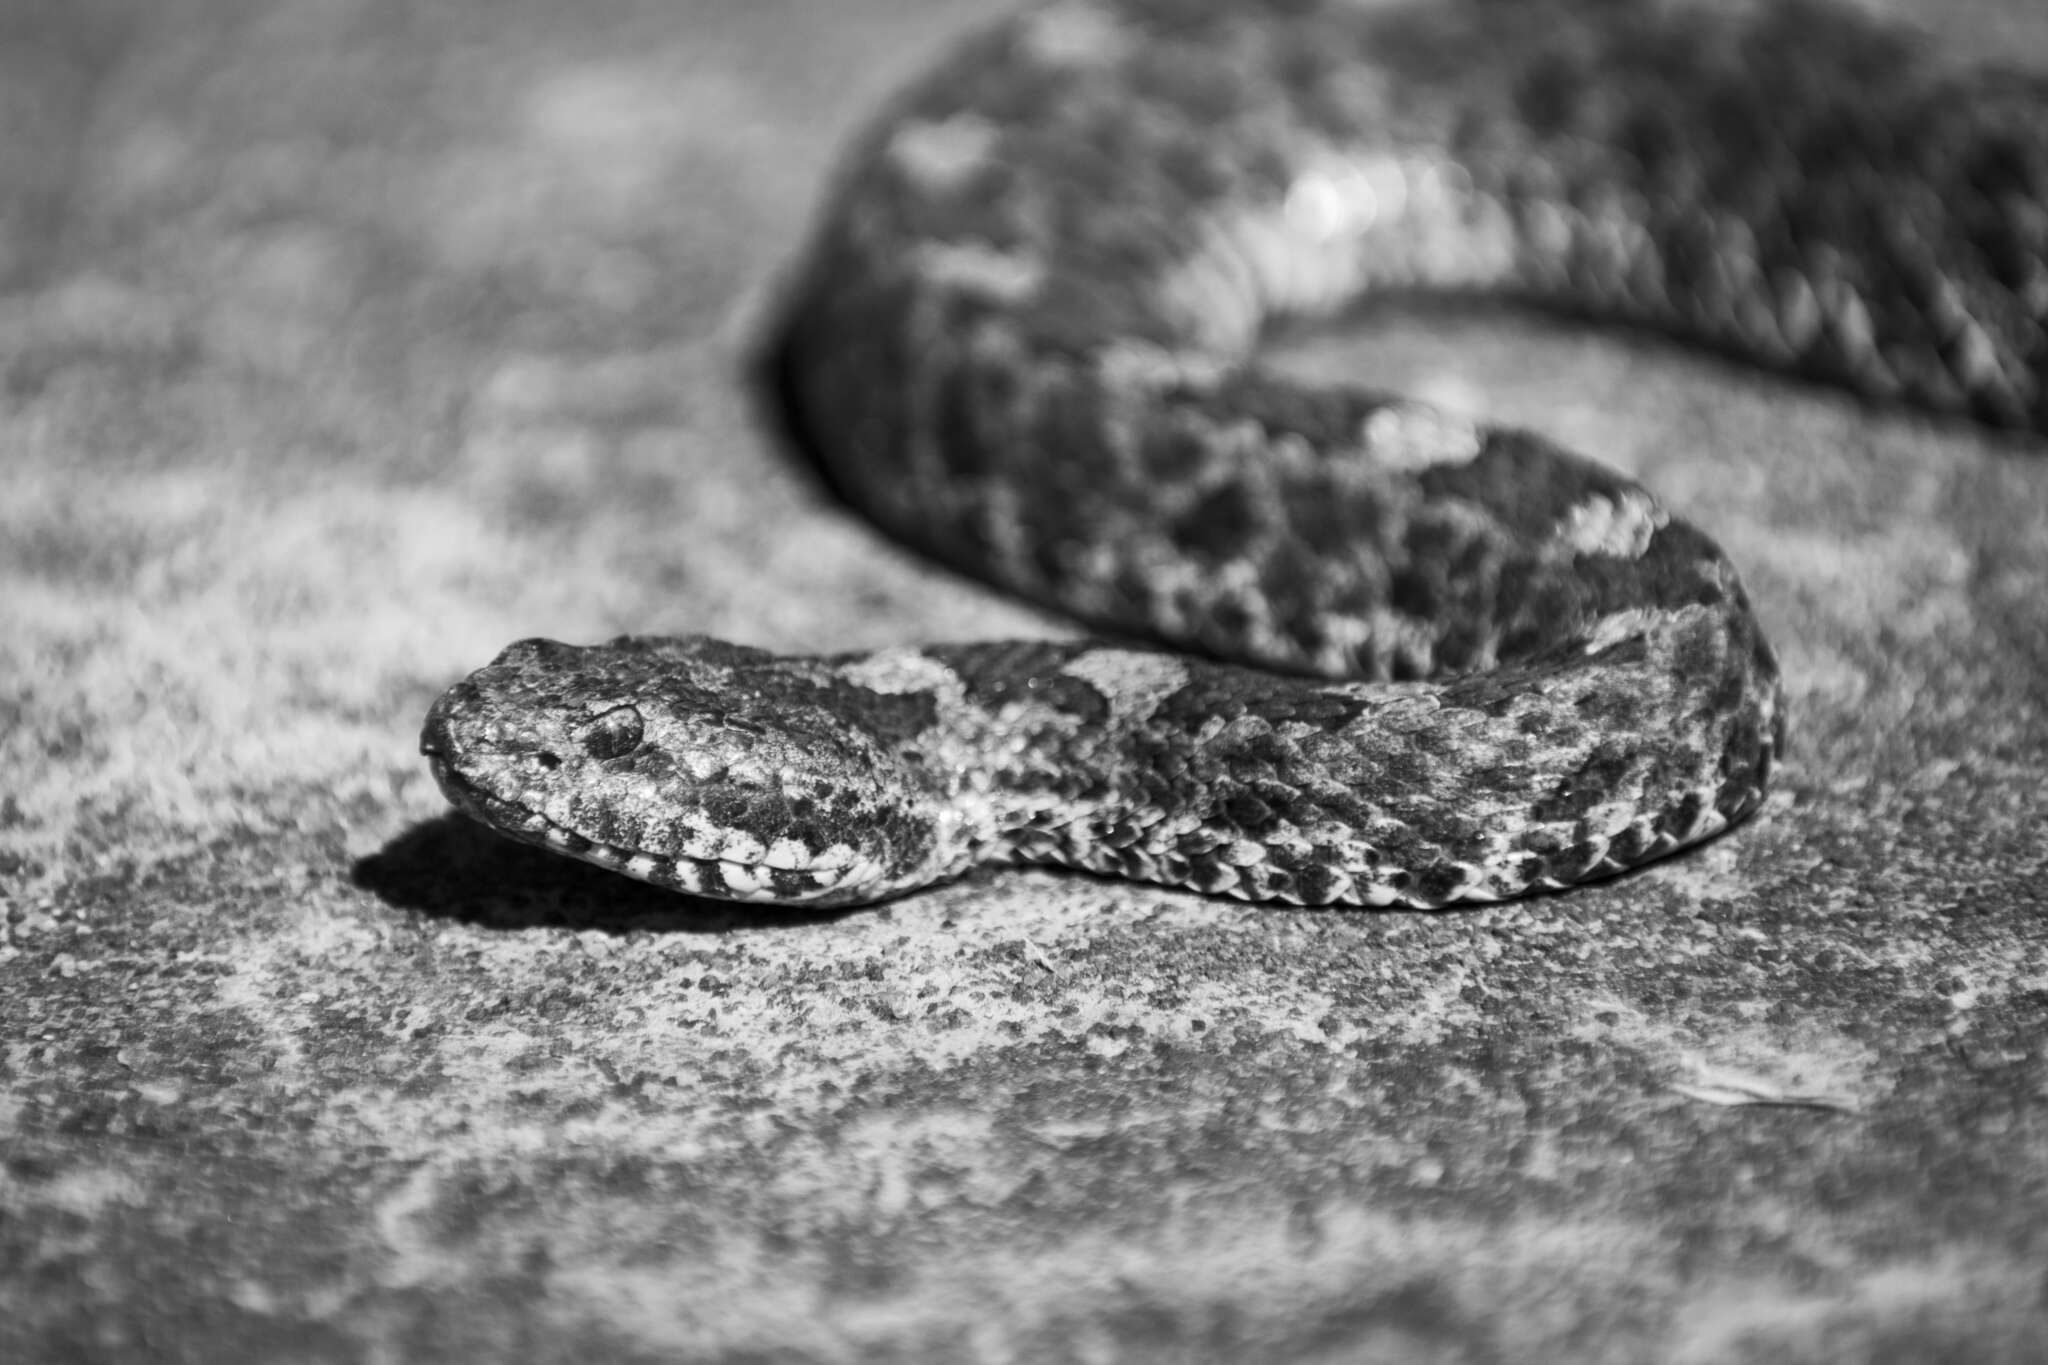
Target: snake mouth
<point x="753" y="880"/>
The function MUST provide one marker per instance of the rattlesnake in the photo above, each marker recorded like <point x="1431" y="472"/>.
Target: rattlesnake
<point x="1468" y="664"/>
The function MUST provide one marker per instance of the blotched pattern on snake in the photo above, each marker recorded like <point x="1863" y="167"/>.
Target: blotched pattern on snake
<point x="1468" y="664"/>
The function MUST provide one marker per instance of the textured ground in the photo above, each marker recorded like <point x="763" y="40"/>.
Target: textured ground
<point x="344" y="341"/>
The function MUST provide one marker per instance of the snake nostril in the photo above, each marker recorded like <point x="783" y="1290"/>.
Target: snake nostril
<point x="550" y="761"/>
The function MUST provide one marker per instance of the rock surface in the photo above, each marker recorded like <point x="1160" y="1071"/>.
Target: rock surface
<point x="343" y="342"/>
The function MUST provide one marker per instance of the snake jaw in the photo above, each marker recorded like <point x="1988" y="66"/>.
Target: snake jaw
<point x="841" y="875"/>
<point x="690" y="764"/>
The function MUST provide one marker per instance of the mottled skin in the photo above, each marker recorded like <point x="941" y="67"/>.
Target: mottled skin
<point x="1024" y="341"/>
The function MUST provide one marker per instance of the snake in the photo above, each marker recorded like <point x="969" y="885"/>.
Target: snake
<point x="1346" y="647"/>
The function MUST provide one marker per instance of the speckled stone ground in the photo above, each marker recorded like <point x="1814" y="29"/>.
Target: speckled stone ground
<point x="344" y="341"/>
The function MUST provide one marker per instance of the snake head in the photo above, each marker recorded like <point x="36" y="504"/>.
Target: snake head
<point x="706" y="767"/>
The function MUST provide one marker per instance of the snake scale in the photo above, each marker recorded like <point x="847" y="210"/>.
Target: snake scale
<point x="1463" y="664"/>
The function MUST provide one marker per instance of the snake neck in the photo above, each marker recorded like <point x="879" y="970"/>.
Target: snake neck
<point x="1554" y="768"/>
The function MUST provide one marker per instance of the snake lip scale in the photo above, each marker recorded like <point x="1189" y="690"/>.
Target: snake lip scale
<point x="755" y="878"/>
<point x="1411" y="658"/>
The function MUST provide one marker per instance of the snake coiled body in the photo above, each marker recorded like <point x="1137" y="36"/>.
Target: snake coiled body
<point x="1466" y="664"/>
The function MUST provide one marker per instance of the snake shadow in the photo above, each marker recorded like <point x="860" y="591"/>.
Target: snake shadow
<point x="451" y="868"/>
<point x="768" y="379"/>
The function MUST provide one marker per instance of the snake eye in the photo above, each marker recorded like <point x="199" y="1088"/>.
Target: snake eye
<point x="613" y="734"/>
